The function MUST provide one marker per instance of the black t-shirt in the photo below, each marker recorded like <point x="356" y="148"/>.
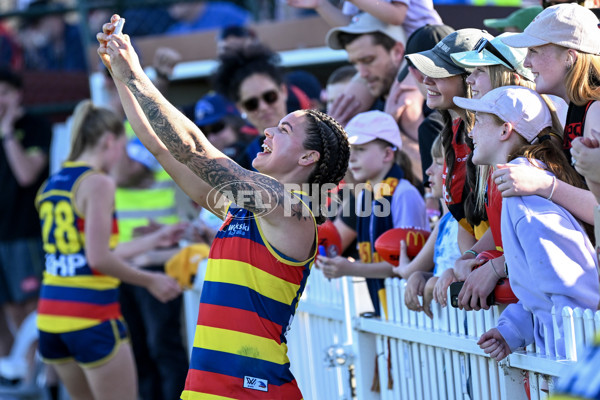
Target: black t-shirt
<point x="19" y="218"/>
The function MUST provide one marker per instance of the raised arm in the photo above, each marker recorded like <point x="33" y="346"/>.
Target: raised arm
<point x="330" y="13"/>
<point x="26" y="164"/>
<point x="193" y="185"/>
<point x="152" y="114"/>
<point x="392" y="13"/>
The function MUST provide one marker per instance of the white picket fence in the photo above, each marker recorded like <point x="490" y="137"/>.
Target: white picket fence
<point x="333" y="350"/>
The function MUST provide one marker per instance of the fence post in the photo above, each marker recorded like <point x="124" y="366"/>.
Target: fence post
<point x="512" y="384"/>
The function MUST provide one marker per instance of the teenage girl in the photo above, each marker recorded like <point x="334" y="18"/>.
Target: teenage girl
<point x="564" y="55"/>
<point x="543" y="242"/>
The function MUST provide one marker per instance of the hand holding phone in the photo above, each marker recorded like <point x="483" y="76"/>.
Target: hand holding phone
<point x="455" y="289"/>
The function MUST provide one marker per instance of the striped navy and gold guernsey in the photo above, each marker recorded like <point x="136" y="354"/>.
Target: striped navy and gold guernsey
<point x="249" y="298"/>
<point x="73" y="296"/>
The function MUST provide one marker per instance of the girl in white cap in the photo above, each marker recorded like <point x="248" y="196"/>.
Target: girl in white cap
<point x="564" y="57"/>
<point x="543" y="242"/>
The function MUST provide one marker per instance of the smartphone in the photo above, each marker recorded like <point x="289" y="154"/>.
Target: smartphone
<point x="455" y="289"/>
<point x="119" y="26"/>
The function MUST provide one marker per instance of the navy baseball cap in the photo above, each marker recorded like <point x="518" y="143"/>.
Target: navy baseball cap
<point x="212" y="108"/>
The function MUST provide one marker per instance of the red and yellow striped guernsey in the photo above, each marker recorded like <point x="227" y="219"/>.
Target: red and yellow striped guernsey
<point x="248" y="301"/>
<point x="73" y="296"/>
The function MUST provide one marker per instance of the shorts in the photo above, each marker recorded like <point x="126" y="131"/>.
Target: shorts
<point x="89" y="347"/>
<point x="21" y="267"/>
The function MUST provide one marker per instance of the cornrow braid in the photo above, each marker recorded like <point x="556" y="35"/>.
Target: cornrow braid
<point x="325" y="135"/>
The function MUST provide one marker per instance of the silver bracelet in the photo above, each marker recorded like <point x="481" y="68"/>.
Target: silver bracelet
<point x="553" y="187"/>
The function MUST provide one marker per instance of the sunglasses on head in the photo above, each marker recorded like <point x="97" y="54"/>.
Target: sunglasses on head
<point x="213" y="128"/>
<point x="484" y="44"/>
<point x="252" y="103"/>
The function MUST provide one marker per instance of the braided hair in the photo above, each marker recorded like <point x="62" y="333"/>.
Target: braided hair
<point x="325" y="135"/>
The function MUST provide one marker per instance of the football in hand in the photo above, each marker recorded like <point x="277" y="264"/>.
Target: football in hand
<point x="388" y="244"/>
<point x="330" y="241"/>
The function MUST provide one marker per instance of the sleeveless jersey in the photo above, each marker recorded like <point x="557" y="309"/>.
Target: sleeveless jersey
<point x="249" y="298"/>
<point x="574" y="125"/>
<point x="73" y="296"/>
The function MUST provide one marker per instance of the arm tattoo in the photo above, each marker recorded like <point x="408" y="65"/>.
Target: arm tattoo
<point x="255" y="192"/>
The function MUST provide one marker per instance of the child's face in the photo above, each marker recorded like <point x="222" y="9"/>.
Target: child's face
<point x="440" y="91"/>
<point x="485" y="136"/>
<point x="480" y="82"/>
<point x="368" y="161"/>
<point x="434" y="172"/>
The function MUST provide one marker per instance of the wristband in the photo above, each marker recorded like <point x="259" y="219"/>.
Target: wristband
<point x="553" y="187"/>
<point x="471" y="252"/>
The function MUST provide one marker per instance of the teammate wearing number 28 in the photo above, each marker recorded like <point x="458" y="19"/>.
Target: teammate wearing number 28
<point x="81" y="328"/>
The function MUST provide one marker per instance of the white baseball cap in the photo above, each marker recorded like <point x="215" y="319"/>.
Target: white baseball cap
<point x="494" y="52"/>
<point x="371" y="125"/>
<point x="569" y="25"/>
<point x="522" y="107"/>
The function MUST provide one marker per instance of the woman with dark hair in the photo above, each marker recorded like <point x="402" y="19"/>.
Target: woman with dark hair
<point x="251" y="78"/>
<point x="261" y="257"/>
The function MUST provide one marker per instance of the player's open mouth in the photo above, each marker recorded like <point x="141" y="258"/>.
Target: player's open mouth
<point x="266" y="148"/>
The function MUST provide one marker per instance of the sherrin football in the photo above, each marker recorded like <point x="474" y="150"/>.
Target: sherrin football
<point x="388" y="244"/>
<point x="330" y="241"/>
<point x="502" y="292"/>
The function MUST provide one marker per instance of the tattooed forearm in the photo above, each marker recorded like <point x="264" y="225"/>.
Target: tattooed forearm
<point x="256" y="192"/>
<point x="252" y="191"/>
<point x="171" y="135"/>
